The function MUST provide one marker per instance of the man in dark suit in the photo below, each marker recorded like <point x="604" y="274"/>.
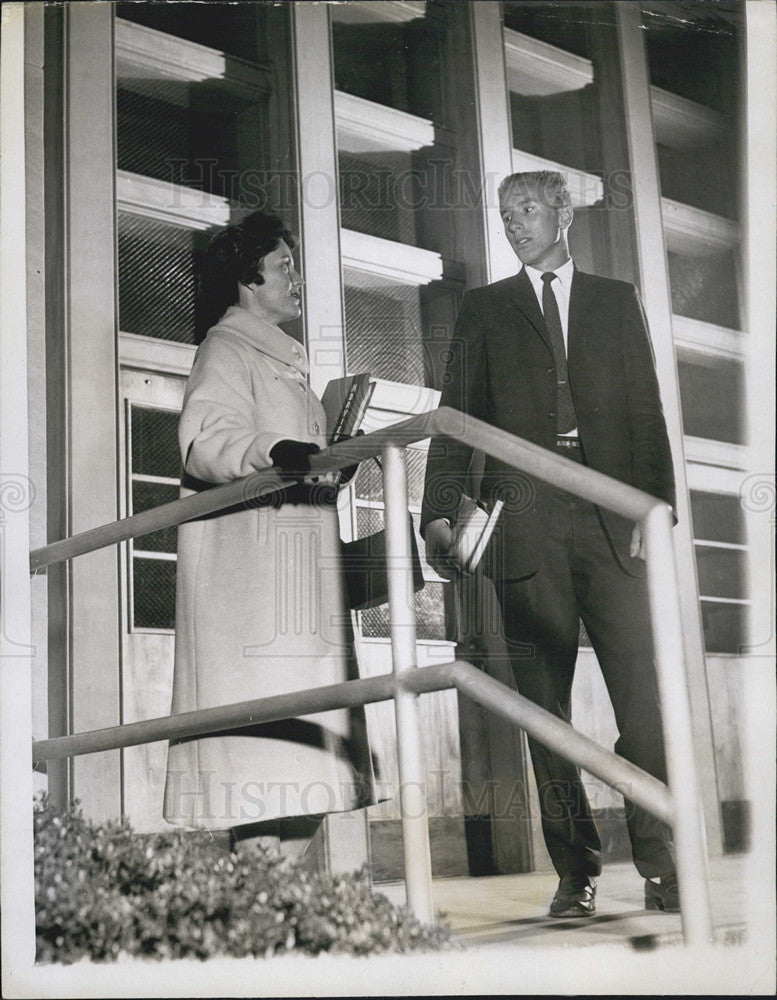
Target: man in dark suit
<point x="563" y="359"/>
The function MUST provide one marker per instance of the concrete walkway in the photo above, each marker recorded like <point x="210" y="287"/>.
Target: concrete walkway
<point x="512" y="909"/>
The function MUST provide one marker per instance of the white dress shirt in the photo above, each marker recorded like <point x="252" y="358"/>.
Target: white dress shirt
<point x="561" y="288"/>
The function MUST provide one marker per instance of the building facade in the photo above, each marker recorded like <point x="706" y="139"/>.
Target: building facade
<point x="380" y="130"/>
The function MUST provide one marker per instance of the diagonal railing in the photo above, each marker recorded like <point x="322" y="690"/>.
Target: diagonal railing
<point x="679" y="804"/>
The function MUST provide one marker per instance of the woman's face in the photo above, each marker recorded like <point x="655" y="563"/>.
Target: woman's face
<point x="278" y="298"/>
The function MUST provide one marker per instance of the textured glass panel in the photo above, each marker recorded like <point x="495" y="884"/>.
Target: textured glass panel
<point x="712" y="394"/>
<point x="704" y="288"/>
<point x="369" y="479"/>
<point x="146" y="496"/>
<point x="157" y="291"/>
<point x="369" y="482"/>
<point x="725" y="627"/>
<point x="717" y="518"/>
<point x="430" y="617"/>
<point x="154" y="593"/>
<point x="377" y="194"/>
<point x="193" y="134"/>
<point x="236" y="28"/>
<point x="721" y="572"/>
<point x="384" y="328"/>
<point x="368" y="521"/>
<point x="155" y="442"/>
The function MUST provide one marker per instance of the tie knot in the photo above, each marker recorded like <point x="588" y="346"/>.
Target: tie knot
<point x="548" y="276"/>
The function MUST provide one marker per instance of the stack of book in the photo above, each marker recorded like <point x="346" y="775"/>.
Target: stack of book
<point x="345" y="401"/>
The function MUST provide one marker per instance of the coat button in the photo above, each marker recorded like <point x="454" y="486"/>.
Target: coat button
<point x="548" y="371"/>
<point x="316" y="428"/>
<point x="551" y="413"/>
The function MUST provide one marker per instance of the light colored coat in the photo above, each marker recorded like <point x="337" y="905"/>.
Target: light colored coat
<point x="259" y="602"/>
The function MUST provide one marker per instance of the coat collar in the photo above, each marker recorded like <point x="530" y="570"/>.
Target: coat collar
<point x="264" y="336"/>
<point x="522" y="295"/>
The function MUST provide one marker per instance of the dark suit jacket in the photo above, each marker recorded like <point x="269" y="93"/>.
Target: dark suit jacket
<point x="501" y="370"/>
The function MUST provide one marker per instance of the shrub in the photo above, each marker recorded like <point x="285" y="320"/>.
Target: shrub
<point x="104" y="892"/>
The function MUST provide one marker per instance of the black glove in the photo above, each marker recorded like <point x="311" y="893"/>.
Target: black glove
<point x="347" y="474"/>
<point x="293" y="457"/>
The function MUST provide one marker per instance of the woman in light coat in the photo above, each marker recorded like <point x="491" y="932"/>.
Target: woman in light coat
<point x="260" y="604"/>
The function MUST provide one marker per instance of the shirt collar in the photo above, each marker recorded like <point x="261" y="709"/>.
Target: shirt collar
<point x="564" y="274"/>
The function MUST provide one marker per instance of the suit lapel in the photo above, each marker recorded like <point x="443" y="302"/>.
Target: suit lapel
<point x="522" y="295"/>
<point x="580" y="300"/>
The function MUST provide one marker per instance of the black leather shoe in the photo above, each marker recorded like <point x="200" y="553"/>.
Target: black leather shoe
<point x="575" y="896"/>
<point x="663" y="895"/>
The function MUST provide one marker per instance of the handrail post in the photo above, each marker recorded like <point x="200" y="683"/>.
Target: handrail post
<point x="410" y="755"/>
<point x="678" y="733"/>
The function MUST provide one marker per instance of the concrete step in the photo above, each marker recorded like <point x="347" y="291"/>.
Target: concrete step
<point x="512" y="909"/>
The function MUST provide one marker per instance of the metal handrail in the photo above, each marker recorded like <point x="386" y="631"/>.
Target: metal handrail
<point x="681" y="808"/>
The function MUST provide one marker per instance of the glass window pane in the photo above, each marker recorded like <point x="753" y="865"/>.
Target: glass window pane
<point x="396" y="63"/>
<point x="369" y="479"/>
<point x="693" y="52"/>
<point x="712" y="395"/>
<point x="155" y="442"/>
<point x="567" y="113"/>
<point x="722" y="572"/>
<point x="235" y="28"/>
<point x="368" y="521"/>
<point x="193" y="134"/>
<point x="157" y="291"/>
<point x="717" y="517"/>
<point x="705" y="287"/>
<point x="377" y="194"/>
<point x="430" y="616"/>
<point x="146" y="496"/>
<point x="153" y="583"/>
<point x="384" y="327"/>
<point x="549" y="23"/>
<point x="725" y="627"/>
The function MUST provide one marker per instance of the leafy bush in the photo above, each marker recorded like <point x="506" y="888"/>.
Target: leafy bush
<point x="104" y="892"/>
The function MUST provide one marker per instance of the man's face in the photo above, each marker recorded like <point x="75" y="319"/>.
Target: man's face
<point x="277" y="299"/>
<point x="535" y="230"/>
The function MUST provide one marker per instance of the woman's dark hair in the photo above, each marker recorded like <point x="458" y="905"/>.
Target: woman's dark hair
<point x="234" y="256"/>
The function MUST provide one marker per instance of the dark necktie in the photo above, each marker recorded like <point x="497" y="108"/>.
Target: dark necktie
<point x="565" y="409"/>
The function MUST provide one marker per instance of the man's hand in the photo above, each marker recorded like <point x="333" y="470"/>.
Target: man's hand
<point x="637" y="547"/>
<point x="438" y="538"/>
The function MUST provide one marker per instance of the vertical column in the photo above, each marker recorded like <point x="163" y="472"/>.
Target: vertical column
<point x="494" y="131"/>
<point x="320" y="264"/>
<point x="759" y="169"/>
<point x="319" y="214"/>
<point x="658" y="305"/>
<point x="16" y="497"/>
<point x="91" y="392"/>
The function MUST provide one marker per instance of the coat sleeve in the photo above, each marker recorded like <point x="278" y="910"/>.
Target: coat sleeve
<point x="220" y="432"/>
<point x="651" y="454"/>
<point x="464" y="389"/>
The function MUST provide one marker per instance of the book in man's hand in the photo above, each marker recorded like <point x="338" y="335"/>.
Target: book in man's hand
<point x="472" y="531"/>
<point x="345" y="401"/>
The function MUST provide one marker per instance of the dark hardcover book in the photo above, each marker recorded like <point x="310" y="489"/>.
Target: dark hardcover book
<point x="345" y="401"/>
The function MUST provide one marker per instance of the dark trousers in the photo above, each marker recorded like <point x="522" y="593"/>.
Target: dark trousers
<point x="581" y="578"/>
